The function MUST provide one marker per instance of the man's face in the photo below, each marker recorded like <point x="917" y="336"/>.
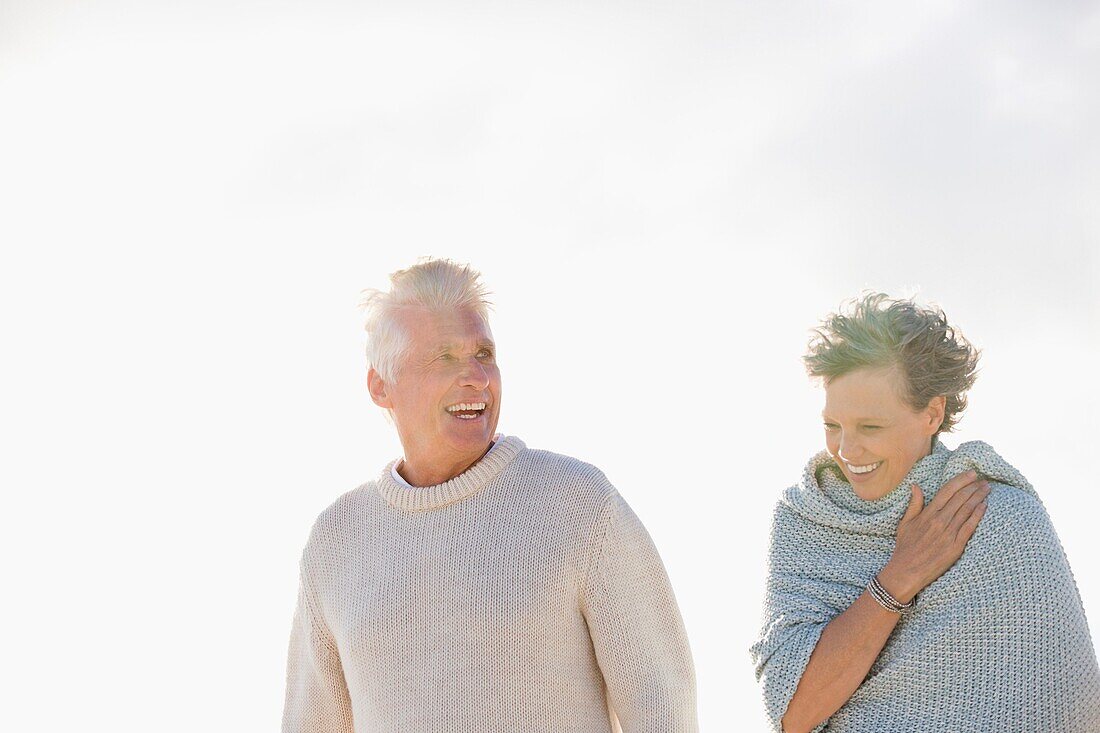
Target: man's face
<point x="446" y="399"/>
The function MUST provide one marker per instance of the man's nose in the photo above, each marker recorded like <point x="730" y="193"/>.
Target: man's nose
<point x="474" y="374"/>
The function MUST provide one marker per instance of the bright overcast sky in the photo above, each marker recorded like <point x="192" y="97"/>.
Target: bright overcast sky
<point x="663" y="196"/>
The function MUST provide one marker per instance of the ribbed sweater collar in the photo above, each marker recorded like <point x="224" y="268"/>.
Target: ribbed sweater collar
<point x="825" y="497"/>
<point x="462" y="486"/>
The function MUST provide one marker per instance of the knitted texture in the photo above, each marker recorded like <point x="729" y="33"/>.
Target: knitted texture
<point x="523" y="595"/>
<point x="998" y="642"/>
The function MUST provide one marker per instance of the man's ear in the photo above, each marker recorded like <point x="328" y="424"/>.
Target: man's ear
<point x="378" y="389"/>
<point x="936" y="411"/>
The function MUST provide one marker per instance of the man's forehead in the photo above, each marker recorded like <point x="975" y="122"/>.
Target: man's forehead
<point x="436" y="328"/>
<point x="479" y="338"/>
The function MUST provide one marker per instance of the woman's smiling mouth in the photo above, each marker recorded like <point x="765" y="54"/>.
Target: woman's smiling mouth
<point x="862" y="470"/>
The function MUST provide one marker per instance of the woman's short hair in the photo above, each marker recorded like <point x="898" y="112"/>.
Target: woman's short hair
<point x="877" y="331"/>
<point x="435" y="284"/>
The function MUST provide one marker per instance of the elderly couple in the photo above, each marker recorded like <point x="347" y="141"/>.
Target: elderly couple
<point x="481" y="585"/>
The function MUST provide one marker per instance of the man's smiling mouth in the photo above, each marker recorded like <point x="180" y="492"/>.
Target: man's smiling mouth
<point x="467" y="410"/>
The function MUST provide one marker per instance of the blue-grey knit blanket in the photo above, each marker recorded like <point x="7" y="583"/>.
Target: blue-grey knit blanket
<point x="998" y="643"/>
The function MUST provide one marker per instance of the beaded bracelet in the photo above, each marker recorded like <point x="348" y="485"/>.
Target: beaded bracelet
<point x="886" y="600"/>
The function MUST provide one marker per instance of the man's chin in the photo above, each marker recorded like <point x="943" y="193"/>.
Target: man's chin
<point x="472" y="443"/>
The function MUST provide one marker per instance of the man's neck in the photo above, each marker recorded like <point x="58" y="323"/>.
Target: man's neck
<point x="421" y="475"/>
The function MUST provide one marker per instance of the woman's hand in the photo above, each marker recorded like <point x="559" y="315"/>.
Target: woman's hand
<point x="931" y="538"/>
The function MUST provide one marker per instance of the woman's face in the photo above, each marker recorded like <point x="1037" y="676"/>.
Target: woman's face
<point x="872" y="432"/>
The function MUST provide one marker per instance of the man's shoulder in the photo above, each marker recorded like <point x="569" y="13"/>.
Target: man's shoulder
<point x="343" y="514"/>
<point x="545" y="470"/>
<point x="566" y="465"/>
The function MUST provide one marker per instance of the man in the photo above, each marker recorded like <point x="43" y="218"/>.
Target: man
<point x="477" y="585"/>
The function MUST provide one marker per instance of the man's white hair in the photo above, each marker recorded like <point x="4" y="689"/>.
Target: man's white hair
<point x="439" y="285"/>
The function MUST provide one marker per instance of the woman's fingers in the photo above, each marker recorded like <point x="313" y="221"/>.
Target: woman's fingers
<point x="916" y="503"/>
<point x="952" y="488"/>
<point x="966" y="531"/>
<point x="973" y="496"/>
<point x="961" y="500"/>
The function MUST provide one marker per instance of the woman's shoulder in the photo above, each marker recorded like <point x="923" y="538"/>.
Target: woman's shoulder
<point x="1015" y="518"/>
<point x="1009" y="502"/>
<point x="991" y="465"/>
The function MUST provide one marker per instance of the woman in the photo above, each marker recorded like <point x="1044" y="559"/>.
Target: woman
<point x="912" y="587"/>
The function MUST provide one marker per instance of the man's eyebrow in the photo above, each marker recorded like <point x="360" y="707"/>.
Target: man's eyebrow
<point x="451" y="346"/>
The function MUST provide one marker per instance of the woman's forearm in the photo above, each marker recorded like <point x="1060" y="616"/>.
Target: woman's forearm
<point x="847" y="648"/>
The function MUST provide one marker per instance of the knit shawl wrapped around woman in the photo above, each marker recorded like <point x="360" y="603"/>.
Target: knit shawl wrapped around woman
<point x="998" y="643"/>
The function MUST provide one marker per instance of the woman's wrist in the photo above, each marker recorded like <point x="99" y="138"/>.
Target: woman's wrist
<point x="897" y="584"/>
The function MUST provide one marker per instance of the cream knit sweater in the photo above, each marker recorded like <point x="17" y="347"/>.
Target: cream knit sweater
<point x="523" y="595"/>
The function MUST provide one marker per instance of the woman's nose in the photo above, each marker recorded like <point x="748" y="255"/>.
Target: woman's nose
<point x="849" y="448"/>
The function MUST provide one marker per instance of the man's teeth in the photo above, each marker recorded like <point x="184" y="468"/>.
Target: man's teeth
<point x="863" y="469"/>
<point x="466" y="407"/>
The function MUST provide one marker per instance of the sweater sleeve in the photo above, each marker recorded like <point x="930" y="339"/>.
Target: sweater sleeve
<point x="795" y="614"/>
<point x="317" y="699"/>
<point x="636" y="629"/>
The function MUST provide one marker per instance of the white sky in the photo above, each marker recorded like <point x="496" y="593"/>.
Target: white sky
<point x="664" y="198"/>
